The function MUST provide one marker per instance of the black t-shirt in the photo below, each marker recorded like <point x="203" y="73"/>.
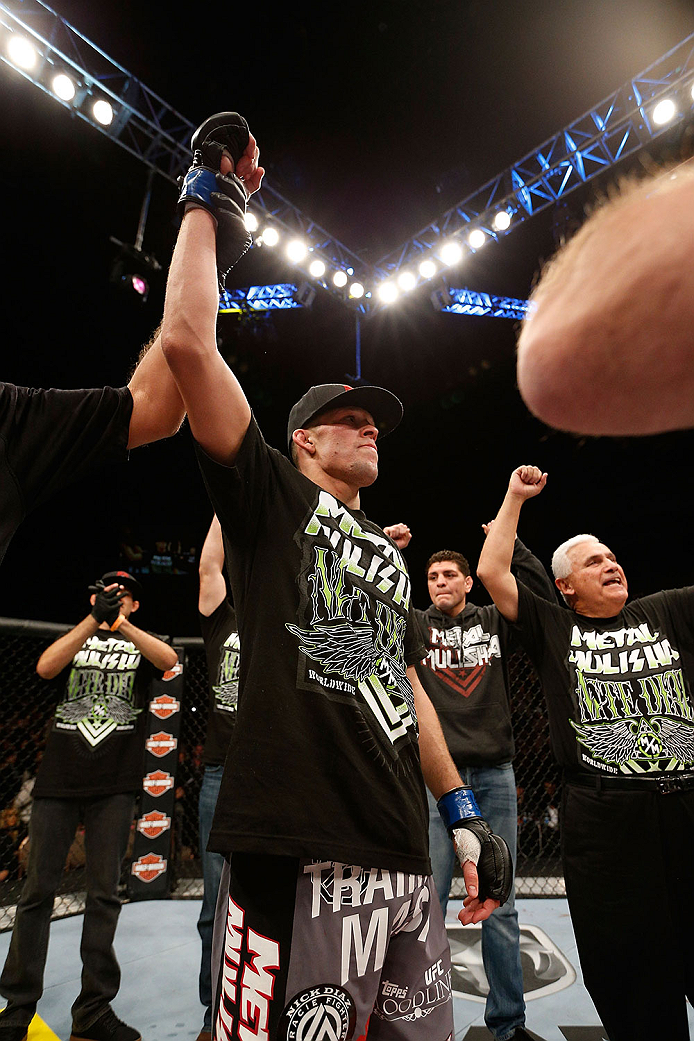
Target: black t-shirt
<point x="465" y="671"/>
<point x="97" y="742"/>
<point x="220" y="633"/>
<point x="49" y="438"/>
<point x="324" y="758"/>
<point x="617" y="689"/>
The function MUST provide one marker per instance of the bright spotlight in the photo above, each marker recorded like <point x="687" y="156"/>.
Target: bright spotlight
<point x="406" y="281"/>
<point x="271" y="236"/>
<point x="451" y="253"/>
<point x="477" y="238"/>
<point x="388" y="292"/>
<point x="502" y="220"/>
<point x="427" y="269"/>
<point x="103" y="112"/>
<point x="63" y="87"/>
<point x="21" y="52"/>
<point x="251" y="221"/>
<point x="317" y="268"/>
<point x="664" y="111"/>
<point x="356" y="290"/>
<point x="340" y="279"/>
<point x="297" y="250"/>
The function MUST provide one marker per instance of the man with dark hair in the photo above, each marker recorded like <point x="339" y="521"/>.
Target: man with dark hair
<point x="617" y="681"/>
<point x="50" y="438"/>
<point x="328" y="928"/>
<point x="90" y="773"/>
<point x="221" y="638"/>
<point x="466" y="675"/>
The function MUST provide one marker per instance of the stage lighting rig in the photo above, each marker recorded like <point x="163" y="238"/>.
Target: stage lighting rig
<point x="133" y="270"/>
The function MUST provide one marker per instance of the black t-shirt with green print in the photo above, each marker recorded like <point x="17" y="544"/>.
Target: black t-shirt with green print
<point x="618" y="690"/>
<point x="324" y="758"/>
<point x="221" y="638"/>
<point x="96" y="744"/>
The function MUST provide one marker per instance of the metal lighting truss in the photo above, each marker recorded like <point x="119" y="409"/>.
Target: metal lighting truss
<point x="259" y="298"/>
<point x="466" y="301"/>
<point x="146" y="126"/>
<point x="614" y="129"/>
<point x="159" y="136"/>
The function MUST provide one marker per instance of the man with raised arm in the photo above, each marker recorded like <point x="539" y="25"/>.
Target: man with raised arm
<point x="90" y="773"/>
<point x="617" y="681"/>
<point x="50" y="438"/>
<point x="332" y="926"/>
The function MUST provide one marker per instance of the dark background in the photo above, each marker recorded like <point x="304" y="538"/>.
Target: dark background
<point x="372" y="118"/>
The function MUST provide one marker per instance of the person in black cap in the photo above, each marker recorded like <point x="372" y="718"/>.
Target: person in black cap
<point x="331" y="926"/>
<point x="90" y="773"/>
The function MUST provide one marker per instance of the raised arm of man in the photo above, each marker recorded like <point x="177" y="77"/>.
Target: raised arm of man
<point x="212" y="585"/>
<point x="494" y="566"/>
<point x="111" y="602"/>
<point x="217" y="409"/>
<point x="158" y="408"/>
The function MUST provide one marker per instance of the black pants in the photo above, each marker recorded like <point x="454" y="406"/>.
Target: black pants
<point x="629" y="869"/>
<point x="51" y="831"/>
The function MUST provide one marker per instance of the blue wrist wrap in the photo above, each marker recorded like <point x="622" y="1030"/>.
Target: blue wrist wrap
<point x="198" y="185"/>
<point x="458" y="805"/>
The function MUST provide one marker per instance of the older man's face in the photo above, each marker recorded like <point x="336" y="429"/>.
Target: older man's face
<point x="597" y="582"/>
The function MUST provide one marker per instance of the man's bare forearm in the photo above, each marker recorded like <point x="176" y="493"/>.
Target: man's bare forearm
<point x="158" y="408"/>
<point x="160" y="654"/>
<point x="63" y="650"/>
<point x="439" y="770"/>
<point x="216" y="405"/>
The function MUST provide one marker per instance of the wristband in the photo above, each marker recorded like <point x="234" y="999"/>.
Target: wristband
<point x="458" y="805"/>
<point x="198" y="185"/>
<point x="118" y="622"/>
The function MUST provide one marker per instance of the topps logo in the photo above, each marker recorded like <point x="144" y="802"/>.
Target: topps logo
<point x="157" y="782"/>
<point x="149" y="867"/>
<point x="161" y="744"/>
<point x="153" y="824"/>
<point x="164" y="706"/>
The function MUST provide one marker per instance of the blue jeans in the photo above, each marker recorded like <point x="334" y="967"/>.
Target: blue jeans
<point x="212" y="864"/>
<point x="495" y="791"/>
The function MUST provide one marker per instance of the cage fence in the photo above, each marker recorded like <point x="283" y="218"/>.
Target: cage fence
<point x="27" y="705"/>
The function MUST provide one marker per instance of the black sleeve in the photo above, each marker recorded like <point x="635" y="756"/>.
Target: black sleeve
<point x="680" y="603"/>
<point x="239" y="492"/>
<point x="533" y="623"/>
<point x="528" y="570"/>
<point x="54" y="437"/>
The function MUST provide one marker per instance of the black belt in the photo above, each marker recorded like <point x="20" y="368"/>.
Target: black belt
<point x="665" y="784"/>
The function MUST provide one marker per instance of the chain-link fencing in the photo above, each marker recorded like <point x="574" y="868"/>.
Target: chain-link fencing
<point x="27" y="704"/>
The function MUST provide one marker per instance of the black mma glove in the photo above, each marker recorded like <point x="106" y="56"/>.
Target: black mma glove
<point x="107" y="603"/>
<point x="474" y="840"/>
<point x="224" y="196"/>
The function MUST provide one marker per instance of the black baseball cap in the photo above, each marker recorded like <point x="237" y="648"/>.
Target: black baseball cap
<point x="124" y="579"/>
<point x="385" y="408"/>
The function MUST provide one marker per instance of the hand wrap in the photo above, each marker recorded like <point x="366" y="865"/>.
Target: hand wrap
<point x="107" y="603"/>
<point x="474" y="840"/>
<point x="224" y="196"/>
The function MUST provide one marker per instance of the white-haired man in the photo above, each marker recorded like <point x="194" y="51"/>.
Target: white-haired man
<point x="616" y="678"/>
